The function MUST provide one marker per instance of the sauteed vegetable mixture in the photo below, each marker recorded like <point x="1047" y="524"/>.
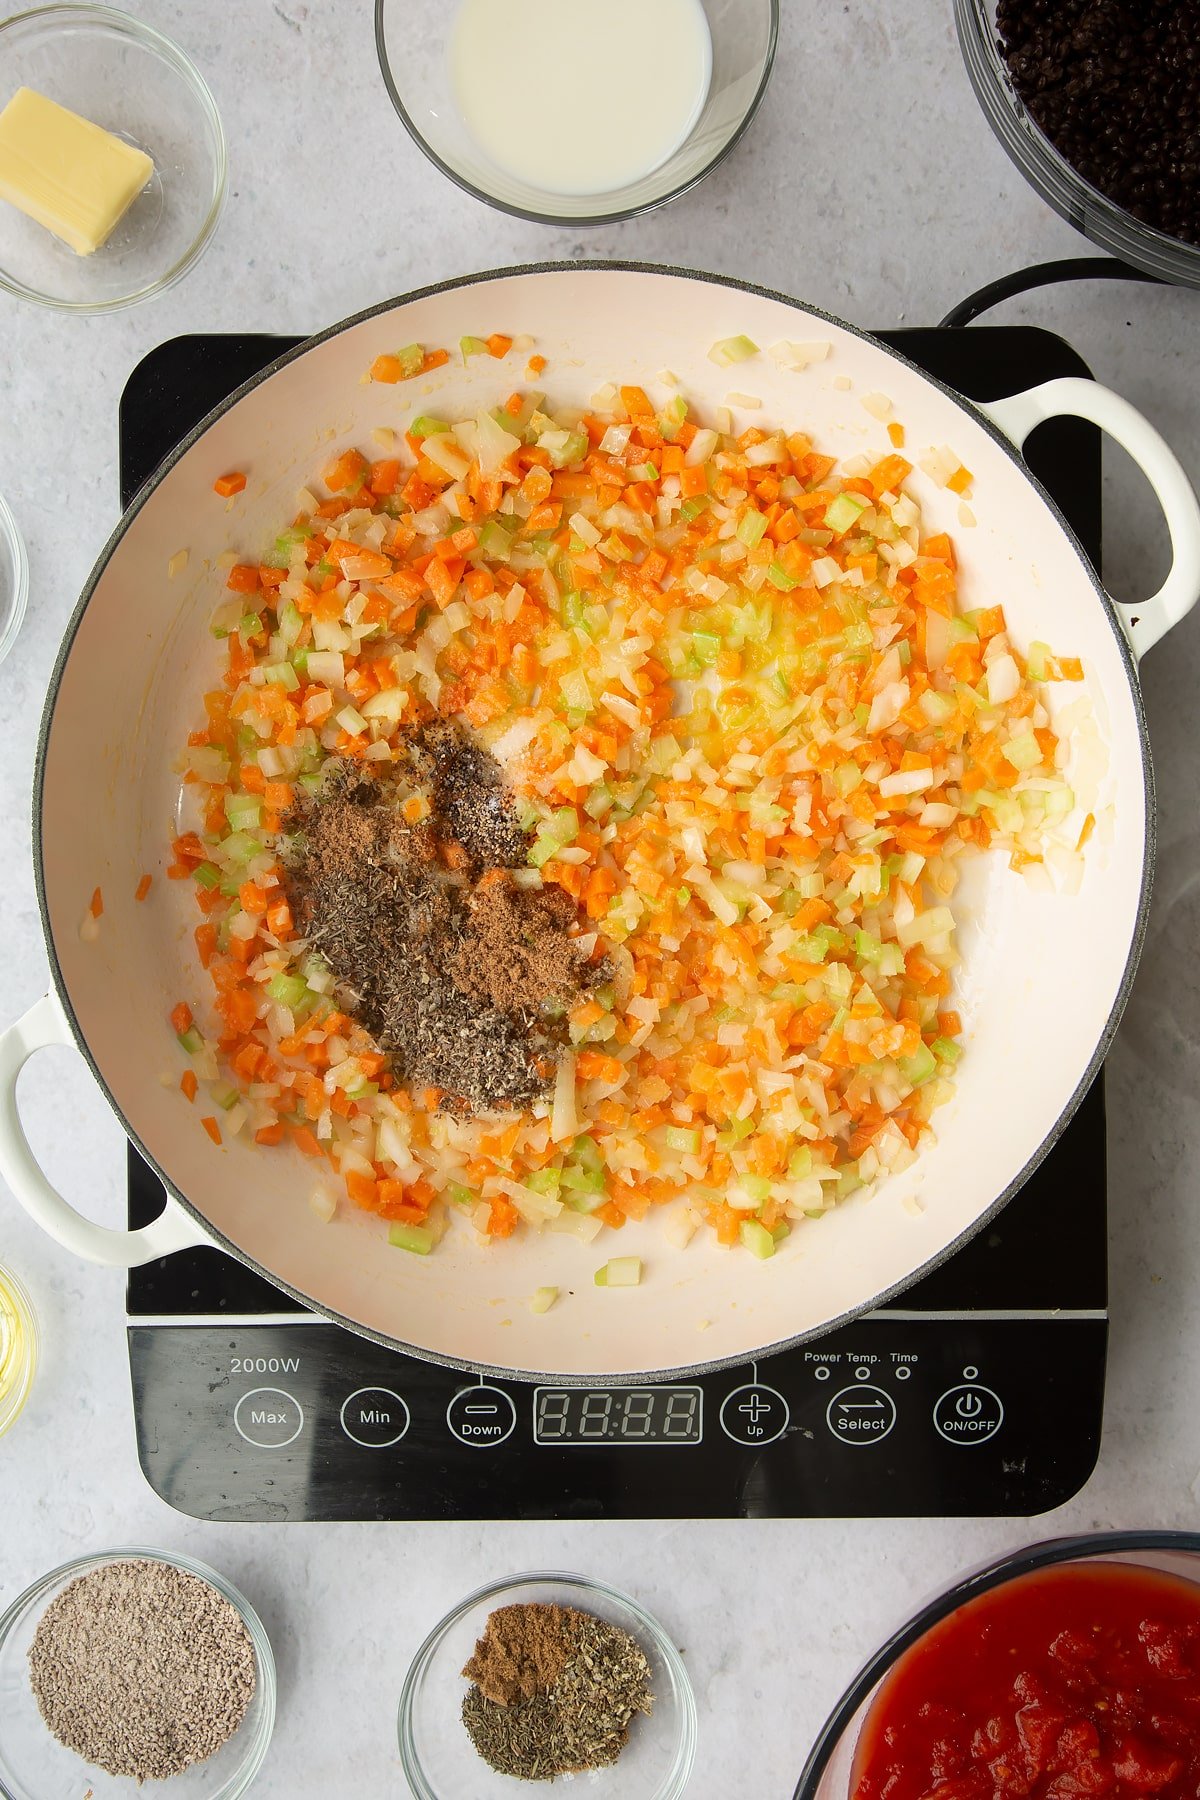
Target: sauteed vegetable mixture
<point x="745" y="728"/>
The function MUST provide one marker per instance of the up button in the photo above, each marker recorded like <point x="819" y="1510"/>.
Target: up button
<point x="968" y="1414"/>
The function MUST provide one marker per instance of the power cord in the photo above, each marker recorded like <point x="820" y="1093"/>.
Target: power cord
<point x="1068" y="268"/>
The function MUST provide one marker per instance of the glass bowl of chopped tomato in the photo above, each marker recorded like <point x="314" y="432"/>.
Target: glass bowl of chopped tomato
<point x="1071" y="1667"/>
<point x="436" y="1753"/>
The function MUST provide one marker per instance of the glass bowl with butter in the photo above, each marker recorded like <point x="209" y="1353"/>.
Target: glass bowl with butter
<point x="112" y="159"/>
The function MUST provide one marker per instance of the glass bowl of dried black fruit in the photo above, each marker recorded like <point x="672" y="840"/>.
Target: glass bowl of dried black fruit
<point x="1098" y="104"/>
<point x="543" y="1675"/>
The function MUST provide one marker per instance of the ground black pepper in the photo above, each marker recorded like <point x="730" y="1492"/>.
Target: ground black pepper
<point x="460" y="975"/>
<point x="1115" y="85"/>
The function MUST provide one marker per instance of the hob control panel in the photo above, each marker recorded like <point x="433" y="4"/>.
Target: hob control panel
<point x="892" y="1415"/>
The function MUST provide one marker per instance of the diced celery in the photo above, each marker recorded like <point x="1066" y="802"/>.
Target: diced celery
<point x="427" y="426"/>
<point x="1036" y="660"/>
<point x="207" y="874"/>
<point x="751" y="526"/>
<point x="1023" y="752"/>
<point x="543" y="1300"/>
<point x="779" y="578"/>
<point x="707" y="646"/>
<point x="472" y="346"/>
<point x="844" y="512"/>
<point x="946" y="1050"/>
<point x="417" y="1238"/>
<point x="678" y="1137"/>
<point x="239" y="847"/>
<point x="244" y="811"/>
<point x="732" y="350"/>
<point x="282" y="675"/>
<point x="411" y="360"/>
<point x="918" y="1068"/>
<point x="691" y="509"/>
<point x="249" y="625"/>
<point x="189" y="1040"/>
<point x="757" y="1186"/>
<point x="461" y="1196"/>
<point x="800" y="1163"/>
<point x="757" y="1238"/>
<point x="288" y="990"/>
<point x="544" y="1181"/>
<point x="225" y="1097"/>
<point x="620" y="1271"/>
<point x="644" y="472"/>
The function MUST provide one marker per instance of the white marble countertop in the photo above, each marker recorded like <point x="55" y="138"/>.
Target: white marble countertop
<point x="870" y="185"/>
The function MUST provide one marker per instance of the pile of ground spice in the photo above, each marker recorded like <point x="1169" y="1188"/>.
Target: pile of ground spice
<point x="1115" y="85"/>
<point x="460" y="974"/>
<point x="554" y="1691"/>
<point x="142" y="1669"/>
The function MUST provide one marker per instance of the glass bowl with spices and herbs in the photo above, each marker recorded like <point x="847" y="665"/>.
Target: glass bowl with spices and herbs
<point x="547" y="1675"/>
<point x="132" y="1667"/>
<point x="1098" y="104"/>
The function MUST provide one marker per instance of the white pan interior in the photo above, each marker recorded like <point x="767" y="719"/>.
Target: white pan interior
<point x="1044" y="972"/>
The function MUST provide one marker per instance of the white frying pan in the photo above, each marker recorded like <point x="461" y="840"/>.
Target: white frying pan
<point x="1046" y="974"/>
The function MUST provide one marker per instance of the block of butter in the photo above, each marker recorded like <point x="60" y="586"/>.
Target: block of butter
<point x="73" y="177"/>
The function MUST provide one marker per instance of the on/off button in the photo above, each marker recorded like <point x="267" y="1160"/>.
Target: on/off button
<point x="969" y="1414"/>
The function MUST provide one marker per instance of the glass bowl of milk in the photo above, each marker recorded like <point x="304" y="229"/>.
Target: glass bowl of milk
<point x="581" y="111"/>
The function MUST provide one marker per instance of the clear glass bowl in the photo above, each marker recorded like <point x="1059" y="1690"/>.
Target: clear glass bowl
<point x="437" y="1755"/>
<point x="18" y="1338"/>
<point x="411" y="38"/>
<point x="14" y="580"/>
<point x="121" y="75"/>
<point x="826" y="1774"/>
<point x="1082" y="205"/>
<point x="35" y="1766"/>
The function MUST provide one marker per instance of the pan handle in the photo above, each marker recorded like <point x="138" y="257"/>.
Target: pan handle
<point x="46" y="1023"/>
<point x="1016" y="417"/>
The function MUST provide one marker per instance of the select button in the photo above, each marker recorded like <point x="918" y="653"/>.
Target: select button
<point x="269" y="1418"/>
<point x="375" y="1417"/>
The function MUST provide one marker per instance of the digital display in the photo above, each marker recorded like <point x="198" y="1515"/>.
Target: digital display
<point x="657" y="1415"/>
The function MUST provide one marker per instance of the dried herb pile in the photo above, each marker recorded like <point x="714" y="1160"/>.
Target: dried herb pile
<point x="554" y="1691"/>
<point x="459" y="973"/>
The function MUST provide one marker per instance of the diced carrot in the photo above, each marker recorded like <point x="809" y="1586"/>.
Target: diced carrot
<point x="188" y="1084"/>
<point x="226" y="485"/>
<point x="387" y="369"/>
<point x="143" y="887"/>
<point x="498" y="344"/>
<point x="243" y="578"/>
<point x="213" y="1129"/>
<point x="96" y="904"/>
<point x="181" y="1018"/>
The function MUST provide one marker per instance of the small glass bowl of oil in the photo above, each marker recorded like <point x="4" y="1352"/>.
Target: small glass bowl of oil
<point x="18" y="1348"/>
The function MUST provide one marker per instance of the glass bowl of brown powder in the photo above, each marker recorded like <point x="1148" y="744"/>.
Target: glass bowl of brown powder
<point x="541" y="1674"/>
<point x="128" y="1667"/>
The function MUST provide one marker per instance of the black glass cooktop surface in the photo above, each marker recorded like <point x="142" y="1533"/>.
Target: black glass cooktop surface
<point x="980" y="1391"/>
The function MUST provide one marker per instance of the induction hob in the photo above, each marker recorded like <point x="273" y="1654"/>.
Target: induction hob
<point x="979" y="1392"/>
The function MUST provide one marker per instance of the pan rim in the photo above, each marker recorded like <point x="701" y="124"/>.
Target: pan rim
<point x="1137" y="938"/>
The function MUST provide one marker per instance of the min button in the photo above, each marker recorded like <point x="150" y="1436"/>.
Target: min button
<point x="268" y="1417"/>
<point x="375" y="1417"/>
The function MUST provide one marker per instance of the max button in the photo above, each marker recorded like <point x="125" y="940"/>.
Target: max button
<point x="481" y="1417"/>
<point x="269" y="1418"/>
<point x="969" y="1414"/>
